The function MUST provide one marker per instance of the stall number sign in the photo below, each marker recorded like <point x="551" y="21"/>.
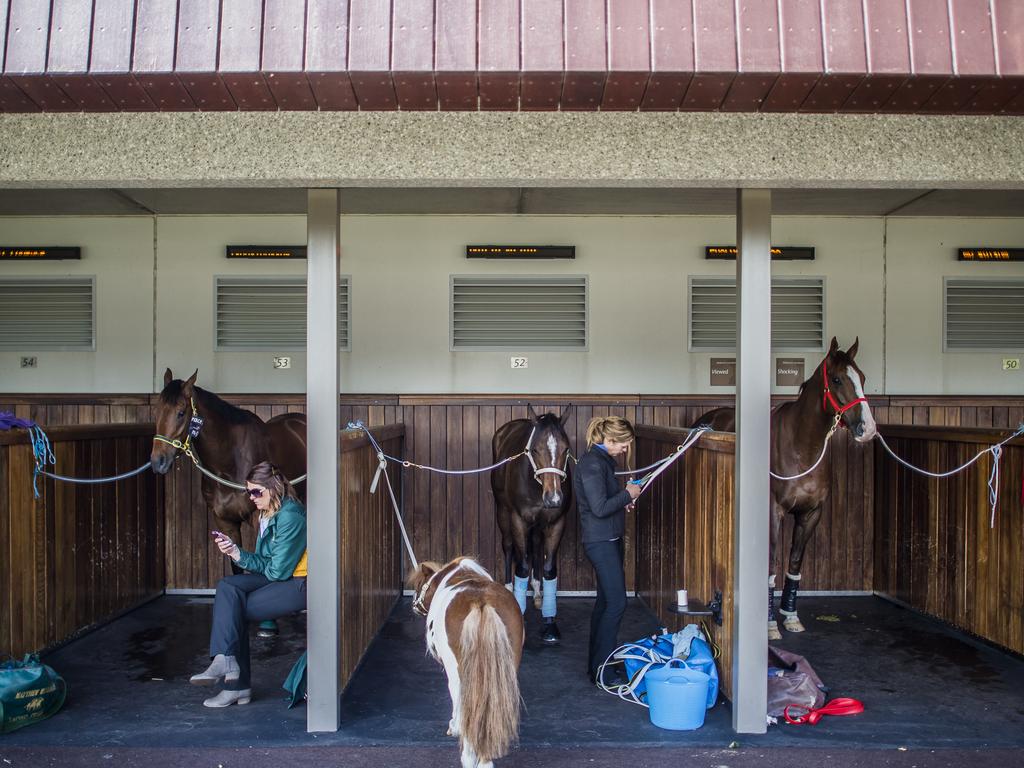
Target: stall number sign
<point x="789" y="371"/>
<point x="520" y="362"/>
<point x="1011" y="363"/>
<point x="723" y="371"/>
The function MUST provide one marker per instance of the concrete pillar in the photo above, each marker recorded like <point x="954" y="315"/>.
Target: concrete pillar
<point x="753" y="408"/>
<point x="323" y="238"/>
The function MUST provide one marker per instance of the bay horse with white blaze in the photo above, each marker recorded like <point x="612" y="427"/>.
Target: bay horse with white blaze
<point x="531" y="498"/>
<point x="228" y="441"/>
<point x="475" y="630"/>
<point x="833" y="395"/>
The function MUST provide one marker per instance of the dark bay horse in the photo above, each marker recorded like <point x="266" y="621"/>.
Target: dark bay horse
<point x="531" y="497"/>
<point x="834" y="394"/>
<point x="229" y="443"/>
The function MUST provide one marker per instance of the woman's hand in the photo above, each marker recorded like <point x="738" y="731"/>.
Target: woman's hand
<point x="229" y="548"/>
<point x="634" y="490"/>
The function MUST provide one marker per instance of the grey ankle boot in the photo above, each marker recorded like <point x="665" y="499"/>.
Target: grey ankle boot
<point x="222" y="666"/>
<point x="227" y="698"/>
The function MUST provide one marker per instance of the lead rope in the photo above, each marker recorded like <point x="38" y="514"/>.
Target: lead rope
<point x="382" y="469"/>
<point x="695" y="434"/>
<point x="824" y="449"/>
<point x="993" y="479"/>
<point x="42" y="454"/>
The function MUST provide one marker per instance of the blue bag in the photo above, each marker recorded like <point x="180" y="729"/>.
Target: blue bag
<point x="656" y="650"/>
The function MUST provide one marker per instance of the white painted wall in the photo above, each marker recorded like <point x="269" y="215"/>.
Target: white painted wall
<point x="920" y="253"/>
<point x="119" y="252"/>
<point x="400" y="269"/>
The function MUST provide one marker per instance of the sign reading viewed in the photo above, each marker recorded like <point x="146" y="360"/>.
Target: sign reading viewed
<point x="723" y="371"/>
<point x="39" y="252"/>
<point x="266" y="251"/>
<point x="520" y="251"/>
<point x="990" y="254"/>
<point x="779" y="252"/>
<point x="789" y="371"/>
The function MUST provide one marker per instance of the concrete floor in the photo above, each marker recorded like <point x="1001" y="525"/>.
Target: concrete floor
<point x="927" y="689"/>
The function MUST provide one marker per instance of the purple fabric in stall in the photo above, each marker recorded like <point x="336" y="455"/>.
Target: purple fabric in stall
<point x="9" y="421"/>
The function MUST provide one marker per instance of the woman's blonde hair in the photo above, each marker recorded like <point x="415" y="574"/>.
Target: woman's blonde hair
<point x="615" y="428"/>
<point x="268" y="476"/>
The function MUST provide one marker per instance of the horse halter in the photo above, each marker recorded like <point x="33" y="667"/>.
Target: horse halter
<point x="417" y="601"/>
<point x="828" y="398"/>
<point x="538" y="471"/>
<point x="195" y="426"/>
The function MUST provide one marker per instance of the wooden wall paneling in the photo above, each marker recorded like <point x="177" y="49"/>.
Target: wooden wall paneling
<point x="6" y="553"/>
<point x="369" y="567"/>
<point x="936" y="549"/>
<point x="685" y="524"/>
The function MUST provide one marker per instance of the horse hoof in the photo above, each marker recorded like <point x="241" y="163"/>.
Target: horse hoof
<point x="793" y="625"/>
<point x="773" y="631"/>
<point x="549" y="634"/>
<point x="267" y="629"/>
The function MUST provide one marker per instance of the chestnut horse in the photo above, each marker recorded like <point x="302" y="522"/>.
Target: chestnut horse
<point x="834" y="394"/>
<point x="531" y="497"/>
<point x="475" y="630"/>
<point x="229" y="442"/>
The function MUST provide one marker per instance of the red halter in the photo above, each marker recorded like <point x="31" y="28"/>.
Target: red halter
<point x="828" y="398"/>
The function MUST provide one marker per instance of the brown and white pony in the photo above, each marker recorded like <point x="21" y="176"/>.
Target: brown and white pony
<point x="475" y="630"/>
<point x="834" y="393"/>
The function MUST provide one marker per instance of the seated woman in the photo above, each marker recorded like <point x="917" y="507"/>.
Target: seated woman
<point x="274" y="585"/>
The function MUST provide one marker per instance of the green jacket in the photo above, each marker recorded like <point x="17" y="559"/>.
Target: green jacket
<point x="281" y="546"/>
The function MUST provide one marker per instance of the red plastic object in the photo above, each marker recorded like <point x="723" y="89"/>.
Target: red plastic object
<point x="839" y="706"/>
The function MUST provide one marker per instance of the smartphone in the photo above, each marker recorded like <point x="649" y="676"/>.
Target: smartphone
<point x="218" y="535"/>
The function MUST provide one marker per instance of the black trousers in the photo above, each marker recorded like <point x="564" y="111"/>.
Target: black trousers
<point x="244" y="598"/>
<point x="607" y="559"/>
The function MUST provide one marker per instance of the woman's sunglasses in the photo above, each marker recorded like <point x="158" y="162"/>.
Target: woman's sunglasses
<point x="255" y="493"/>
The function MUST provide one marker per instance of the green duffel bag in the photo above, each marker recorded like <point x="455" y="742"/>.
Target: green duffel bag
<point x="30" y="691"/>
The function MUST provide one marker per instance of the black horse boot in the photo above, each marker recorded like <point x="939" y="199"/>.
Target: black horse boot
<point x="549" y="633"/>
<point x="787" y="605"/>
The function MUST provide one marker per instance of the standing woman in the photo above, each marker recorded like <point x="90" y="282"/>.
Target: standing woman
<point x="274" y="584"/>
<point x="601" y="501"/>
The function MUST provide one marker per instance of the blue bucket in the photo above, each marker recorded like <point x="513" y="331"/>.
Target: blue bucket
<point x="677" y="696"/>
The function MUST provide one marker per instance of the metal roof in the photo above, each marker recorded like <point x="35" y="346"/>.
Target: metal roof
<point x="918" y="56"/>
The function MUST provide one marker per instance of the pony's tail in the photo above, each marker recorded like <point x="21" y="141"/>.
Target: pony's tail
<point x="489" y="690"/>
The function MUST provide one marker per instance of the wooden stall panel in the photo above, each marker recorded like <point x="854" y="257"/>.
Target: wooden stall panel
<point x="840" y="556"/>
<point x="370" y="545"/>
<point x="80" y="554"/>
<point x="684" y="531"/>
<point x="940" y="548"/>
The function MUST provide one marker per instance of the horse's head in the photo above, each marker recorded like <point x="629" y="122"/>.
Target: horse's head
<point x="843" y="391"/>
<point x="549" y="453"/>
<point x="173" y="414"/>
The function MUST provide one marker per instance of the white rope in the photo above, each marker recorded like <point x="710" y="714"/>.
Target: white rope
<point x="663" y="464"/>
<point x="993" y="479"/>
<point x="382" y="468"/>
<point x="814" y="466"/>
<point x="454" y="471"/>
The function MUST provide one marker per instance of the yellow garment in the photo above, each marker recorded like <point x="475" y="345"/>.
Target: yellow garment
<point x="300" y="569"/>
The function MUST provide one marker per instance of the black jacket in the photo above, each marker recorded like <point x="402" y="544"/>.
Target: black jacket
<point x="600" y="497"/>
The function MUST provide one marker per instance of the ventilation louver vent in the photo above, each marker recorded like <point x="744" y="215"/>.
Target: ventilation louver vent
<point x="798" y="313"/>
<point x="519" y="312"/>
<point x="984" y="315"/>
<point x="56" y="313"/>
<point x="269" y="313"/>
